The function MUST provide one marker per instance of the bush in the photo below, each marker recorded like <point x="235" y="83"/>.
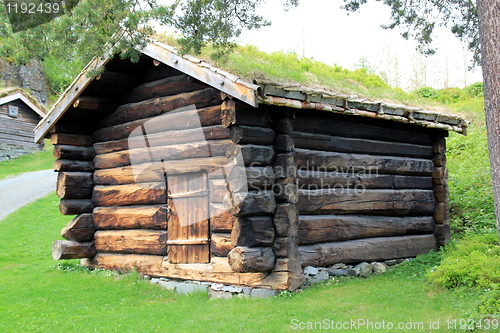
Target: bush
<point x="473" y="262"/>
<point x="475" y="90"/>
<point x="426" y="92"/>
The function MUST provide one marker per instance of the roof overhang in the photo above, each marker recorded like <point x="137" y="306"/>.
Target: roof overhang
<point x="226" y="82"/>
<point x="22" y="97"/>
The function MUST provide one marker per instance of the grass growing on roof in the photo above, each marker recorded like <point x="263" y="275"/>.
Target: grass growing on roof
<point x="40" y="294"/>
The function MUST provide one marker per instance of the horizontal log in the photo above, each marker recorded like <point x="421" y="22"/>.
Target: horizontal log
<point x="250" y="178"/>
<point x="131" y="241"/>
<point x="251" y="155"/>
<point x="234" y="113"/>
<point x="66" y="152"/>
<point x="439" y="146"/>
<point x="369" y="250"/>
<point x="250" y="203"/>
<point x="312" y="180"/>
<point x="157" y="106"/>
<point x="164" y="138"/>
<point x="285" y="165"/>
<point x="221" y="220"/>
<point x="158" y="72"/>
<point x="130" y="194"/>
<point x="220" y="245"/>
<point x="99" y="104"/>
<point x="336" y="228"/>
<point x="341" y="162"/>
<point x="72" y="250"/>
<point x="369" y="202"/>
<point x="280" y="246"/>
<point x="442" y="213"/>
<point x="217" y="271"/>
<point x="79" y="229"/>
<point x="253" y="231"/>
<point x="70" y="128"/>
<point x="208" y="116"/>
<point x="71" y="139"/>
<point x="75" y="206"/>
<point x="244" y="259"/>
<point x="286" y="190"/>
<point x="77" y="179"/>
<point x="283" y="125"/>
<point x="252" y="134"/>
<point x="165" y="153"/>
<point x="356" y="129"/>
<point x="154" y="172"/>
<point x="74" y="166"/>
<point x="131" y="217"/>
<point x="168" y="86"/>
<point x="439" y="160"/>
<point x="360" y="146"/>
<point x="70" y="192"/>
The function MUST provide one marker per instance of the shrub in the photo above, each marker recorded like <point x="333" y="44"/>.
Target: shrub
<point x="475" y="90"/>
<point x="473" y="262"/>
<point x="426" y="92"/>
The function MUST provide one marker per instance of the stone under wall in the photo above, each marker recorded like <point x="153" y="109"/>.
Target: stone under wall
<point x="8" y="152"/>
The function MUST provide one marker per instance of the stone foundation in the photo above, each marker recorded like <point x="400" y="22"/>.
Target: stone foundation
<point x="8" y="152"/>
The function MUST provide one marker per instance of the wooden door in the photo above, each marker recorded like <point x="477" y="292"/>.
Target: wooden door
<point x="188" y="234"/>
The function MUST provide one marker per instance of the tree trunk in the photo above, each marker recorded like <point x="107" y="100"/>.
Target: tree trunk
<point x="489" y="32"/>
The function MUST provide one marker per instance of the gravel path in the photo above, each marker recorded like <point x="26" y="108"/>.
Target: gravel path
<point x="18" y="191"/>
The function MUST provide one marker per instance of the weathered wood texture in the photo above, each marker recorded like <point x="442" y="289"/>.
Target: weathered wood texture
<point x="131" y="194"/>
<point x="131" y="217"/>
<point x="154" y="172"/>
<point x="335" y="228"/>
<point x="220" y="244"/>
<point x="216" y="271"/>
<point x="250" y="203"/>
<point x="252" y="155"/>
<point x="166" y="153"/>
<point x="342" y="162"/>
<point x="312" y="180"/>
<point x="74" y="185"/>
<point x="168" y="86"/>
<point x="234" y="113"/>
<point x="221" y="220"/>
<point x="18" y="130"/>
<point x="74" y="166"/>
<point x="257" y="259"/>
<point x="373" y="249"/>
<point x="354" y="129"/>
<point x="252" y="134"/>
<point x="170" y="137"/>
<point x="103" y="105"/>
<point x="253" y="231"/>
<point x="71" y="139"/>
<point x="67" y="152"/>
<point x="360" y="146"/>
<point x="157" y="106"/>
<point x="250" y="178"/>
<point x="72" y="250"/>
<point x="79" y="229"/>
<point x="370" y="202"/>
<point x="131" y="241"/>
<point x="75" y="206"/>
<point x="208" y="116"/>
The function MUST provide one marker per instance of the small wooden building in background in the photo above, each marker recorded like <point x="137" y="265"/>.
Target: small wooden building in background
<point x="182" y="170"/>
<point x="19" y="114"/>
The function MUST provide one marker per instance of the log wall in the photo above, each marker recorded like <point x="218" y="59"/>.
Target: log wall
<point x="18" y="130"/>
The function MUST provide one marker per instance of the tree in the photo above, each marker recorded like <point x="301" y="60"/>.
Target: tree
<point x="478" y="24"/>
<point x="90" y="24"/>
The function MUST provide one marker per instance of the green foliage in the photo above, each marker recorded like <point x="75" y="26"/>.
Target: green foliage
<point x="474" y="263"/>
<point x="39" y="294"/>
<point x="475" y="90"/>
<point x="60" y="74"/>
<point x="32" y="162"/>
<point x="426" y="92"/>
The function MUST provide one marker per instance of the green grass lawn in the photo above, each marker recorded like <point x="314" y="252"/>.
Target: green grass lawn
<point x="40" y="294"/>
<point x="27" y="163"/>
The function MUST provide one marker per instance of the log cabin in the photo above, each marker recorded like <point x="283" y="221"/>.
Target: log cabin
<point x="181" y="170"/>
<point x="19" y="114"/>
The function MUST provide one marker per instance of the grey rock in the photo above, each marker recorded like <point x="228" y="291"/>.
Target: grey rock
<point x="365" y="269"/>
<point x="379" y="268"/>
<point x="310" y="270"/>
<point x="246" y="290"/>
<point x="232" y="289"/>
<point x="219" y="294"/>
<point x="154" y="281"/>
<point x="338" y="272"/>
<point x="169" y="285"/>
<point x="321" y="276"/>
<point x="340" y="266"/>
<point x="391" y="262"/>
<point x="217" y="286"/>
<point x="263" y="293"/>
<point x="353" y="271"/>
<point x="188" y="288"/>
